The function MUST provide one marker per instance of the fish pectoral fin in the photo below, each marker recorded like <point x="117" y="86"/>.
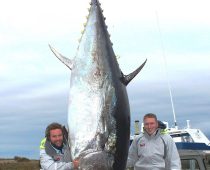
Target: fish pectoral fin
<point x="127" y="78"/>
<point x="63" y="59"/>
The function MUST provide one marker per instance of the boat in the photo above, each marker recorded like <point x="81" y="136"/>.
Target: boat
<point x="192" y="144"/>
<point x="193" y="147"/>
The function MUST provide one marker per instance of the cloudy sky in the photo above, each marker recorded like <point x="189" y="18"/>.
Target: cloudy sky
<point x="173" y="35"/>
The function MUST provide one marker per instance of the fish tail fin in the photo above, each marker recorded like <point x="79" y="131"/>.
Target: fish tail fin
<point x="63" y="59"/>
<point x="127" y="78"/>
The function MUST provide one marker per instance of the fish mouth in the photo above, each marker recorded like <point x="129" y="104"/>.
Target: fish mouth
<point x="100" y="157"/>
<point x="96" y="159"/>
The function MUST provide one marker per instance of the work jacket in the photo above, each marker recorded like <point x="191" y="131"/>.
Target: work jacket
<point x="54" y="159"/>
<point x="153" y="152"/>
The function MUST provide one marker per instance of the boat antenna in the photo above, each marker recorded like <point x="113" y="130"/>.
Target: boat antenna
<point x="166" y="70"/>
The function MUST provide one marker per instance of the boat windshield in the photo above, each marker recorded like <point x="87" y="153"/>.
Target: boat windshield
<point x="182" y="137"/>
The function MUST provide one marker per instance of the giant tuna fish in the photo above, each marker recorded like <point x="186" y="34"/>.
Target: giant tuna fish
<point x="98" y="114"/>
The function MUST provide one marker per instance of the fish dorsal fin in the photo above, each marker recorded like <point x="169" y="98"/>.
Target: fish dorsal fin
<point x="63" y="59"/>
<point x="127" y="78"/>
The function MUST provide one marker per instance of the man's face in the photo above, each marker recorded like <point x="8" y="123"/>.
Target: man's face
<point x="56" y="137"/>
<point x="150" y="125"/>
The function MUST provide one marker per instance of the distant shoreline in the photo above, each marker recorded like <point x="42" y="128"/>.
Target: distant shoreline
<point x="19" y="163"/>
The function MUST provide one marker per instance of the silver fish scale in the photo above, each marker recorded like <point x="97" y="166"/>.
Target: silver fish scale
<point x="92" y="94"/>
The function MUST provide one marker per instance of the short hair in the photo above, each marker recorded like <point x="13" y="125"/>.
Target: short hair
<point x="50" y="127"/>
<point x="150" y="115"/>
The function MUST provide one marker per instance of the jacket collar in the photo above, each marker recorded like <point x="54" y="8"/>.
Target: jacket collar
<point x="154" y="135"/>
